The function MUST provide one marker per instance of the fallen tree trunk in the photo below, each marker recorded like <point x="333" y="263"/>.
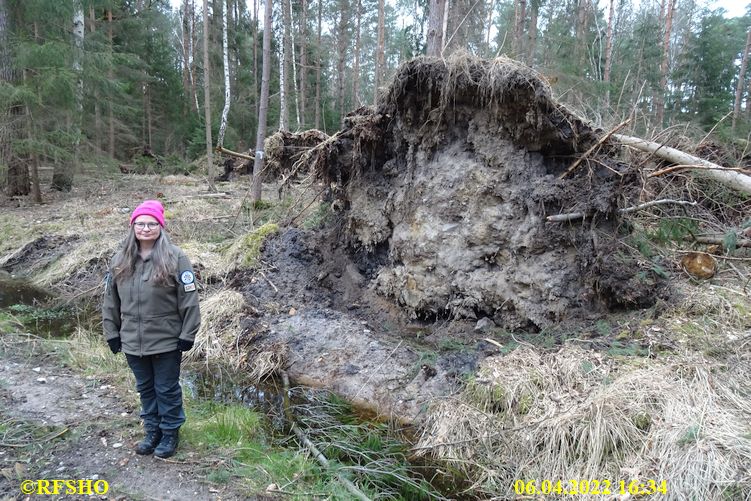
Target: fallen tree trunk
<point x="731" y="178"/>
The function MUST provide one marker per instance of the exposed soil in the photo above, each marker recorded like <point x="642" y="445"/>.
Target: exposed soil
<point x="446" y="187"/>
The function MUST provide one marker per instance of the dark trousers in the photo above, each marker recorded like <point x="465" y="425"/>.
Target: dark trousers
<point x="158" y="384"/>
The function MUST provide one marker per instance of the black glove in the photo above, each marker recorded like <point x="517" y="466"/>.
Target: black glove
<point x="184" y="345"/>
<point x="115" y="344"/>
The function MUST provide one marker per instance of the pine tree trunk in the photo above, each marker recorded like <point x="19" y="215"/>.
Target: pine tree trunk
<point x="532" y="35"/>
<point x="97" y="111"/>
<point x="263" y="107"/>
<point x="520" y="13"/>
<point x="739" y="87"/>
<point x="6" y="77"/>
<point x="491" y="8"/>
<point x="284" y="67"/>
<point x="342" y="44"/>
<point x="319" y="50"/>
<point x="185" y="23"/>
<point x="379" y="67"/>
<point x="356" y="76"/>
<point x="581" y="32"/>
<point x="17" y="182"/>
<point x="36" y="190"/>
<point x="192" y="51"/>
<point x="660" y="101"/>
<point x="435" y="27"/>
<point x="227" y="95"/>
<point x="609" y="53"/>
<point x="110" y="74"/>
<point x="303" y="60"/>
<point x="62" y="175"/>
<point x="207" y="98"/>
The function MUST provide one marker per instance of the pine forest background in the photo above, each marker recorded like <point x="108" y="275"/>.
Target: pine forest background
<point x="103" y="81"/>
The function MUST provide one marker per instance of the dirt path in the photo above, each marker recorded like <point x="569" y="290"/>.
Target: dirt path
<point x="83" y="430"/>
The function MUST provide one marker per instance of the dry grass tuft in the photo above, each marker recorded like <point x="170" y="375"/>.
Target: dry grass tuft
<point x="571" y="415"/>
<point x="268" y="362"/>
<point x="217" y="341"/>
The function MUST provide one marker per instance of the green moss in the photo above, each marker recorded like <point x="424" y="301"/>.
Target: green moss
<point x="247" y="249"/>
<point x="642" y="421"/>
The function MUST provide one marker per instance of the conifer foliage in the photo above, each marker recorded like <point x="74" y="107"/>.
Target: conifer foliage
<point x="90" y="84"/>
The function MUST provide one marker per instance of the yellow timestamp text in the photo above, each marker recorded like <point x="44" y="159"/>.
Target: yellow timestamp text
<point x="590" y="487"/>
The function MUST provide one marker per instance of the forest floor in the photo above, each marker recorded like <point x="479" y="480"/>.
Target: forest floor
<point x="69" y="410"/>
<point x="60" y="424"/>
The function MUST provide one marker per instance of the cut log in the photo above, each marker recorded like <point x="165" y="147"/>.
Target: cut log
<point x="730" y="178"/>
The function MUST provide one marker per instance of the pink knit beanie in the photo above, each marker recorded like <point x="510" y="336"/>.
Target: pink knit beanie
<point x="151" y="208"/>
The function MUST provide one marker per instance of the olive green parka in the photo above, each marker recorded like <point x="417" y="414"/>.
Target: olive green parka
<point x="149" y="318"/>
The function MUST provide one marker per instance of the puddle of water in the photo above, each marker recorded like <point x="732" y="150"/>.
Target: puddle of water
<point x="30" y="305"/>
<point x="316" y="407"/>
<point x="18" y="291"/>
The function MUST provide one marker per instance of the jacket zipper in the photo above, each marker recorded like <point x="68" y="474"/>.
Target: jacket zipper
<point x="139" y="279"/>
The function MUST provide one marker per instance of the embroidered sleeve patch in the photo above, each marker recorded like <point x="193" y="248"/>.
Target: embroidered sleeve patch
<point x="189" y="287"/>
<point x="187" y="277"/>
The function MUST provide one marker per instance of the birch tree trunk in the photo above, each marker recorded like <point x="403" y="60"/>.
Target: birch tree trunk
<point x="319" y="50"/>
<point x="207" y="98"/>
<point x="379" y="54"/>
<point x="293" y="59"/>
<point x="62" y="175"/>
<point x="227" y="94"/>
<point x="255" y="56"/>
<point x="356" y="77"/>
<point x="303" y="60"/>
<point x="705" y="168"/>
<point x="739" y="87"/>
<point x="264" y="105"/>
<point x="608" y="53"/>
<point x="436" y="12"/>
<point x="660" y="97"/>
<point x="284" y="67"/>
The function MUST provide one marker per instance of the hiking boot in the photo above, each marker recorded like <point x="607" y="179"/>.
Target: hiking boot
<point x="149" y="442"/>
<point x="168" y="445"/>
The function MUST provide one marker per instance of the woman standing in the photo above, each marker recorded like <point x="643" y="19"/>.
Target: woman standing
<point x="151" y="313"/>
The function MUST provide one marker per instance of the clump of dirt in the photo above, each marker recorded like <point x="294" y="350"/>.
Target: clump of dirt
<point x="283" y="149"/>
<point x="37" y="254"/>
<point x="446" y="187"/>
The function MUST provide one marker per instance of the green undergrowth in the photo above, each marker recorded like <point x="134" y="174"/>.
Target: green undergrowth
<point x="371" y="453"/>
<point x="249" y="455"/>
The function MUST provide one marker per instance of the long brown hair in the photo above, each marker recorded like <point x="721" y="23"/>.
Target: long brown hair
<point x="163" y="257"/>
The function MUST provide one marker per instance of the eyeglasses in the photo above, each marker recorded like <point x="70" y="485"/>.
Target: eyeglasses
<point x="141" y="226"/>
